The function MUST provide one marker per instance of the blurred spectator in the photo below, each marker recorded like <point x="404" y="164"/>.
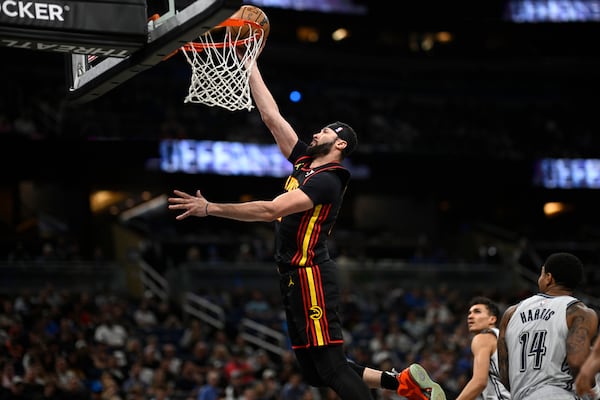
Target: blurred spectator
<point x="110" y="387"/>
<point x="239" y="366"/>
<point x="63" y="372"/>
<point x="415" y="324"/>
<point x="437" y="312"/>
<point x="211" y="389"/>
<point x="8" y="317"/>
<point x="294" y="388"/>
<point x="75" y="388"/>
<point x="144" y="316"/>
<point x="160" y="393"/>
<point x="110" y="333"/>
<point x="166" y="316"/>
<point x="241" y="346"/>
<point x="257" y="308"/>
<point x="8" y="373"/>
<point x="34" y="380"/>
<point x="398" y="340"/>
<point x="151" y="355"/>
<point x="162" y="384"/>
<point x="189" y="379"/>
<point x="16" y="390"/>
<point x="261" y="362"/>
<point x="135" y="379"/>
<point x="52" y="391"/>
<point x="219" y="356"/>
<point x="289" y="366"/>
<point x="271" y="385"/>
<point x="234" y="390"/>
<point x="172" y="361"/>
<point x="81" y="363"/>
<point x="116" y="366"/>
<point x="193" y="333"/>
<point x="202" y="356"/>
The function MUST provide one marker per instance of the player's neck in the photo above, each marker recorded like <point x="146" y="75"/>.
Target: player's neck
<point x="557" y="290"/>
<point x="322" y="160"/>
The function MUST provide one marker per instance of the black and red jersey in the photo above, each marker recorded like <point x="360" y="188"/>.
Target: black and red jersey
<point x="301" y="238"/>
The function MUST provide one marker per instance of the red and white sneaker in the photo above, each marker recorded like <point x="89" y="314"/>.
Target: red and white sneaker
<point x="414" y="383"/>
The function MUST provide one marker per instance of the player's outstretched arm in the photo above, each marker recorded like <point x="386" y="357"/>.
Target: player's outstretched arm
<point x="260" y="210"/>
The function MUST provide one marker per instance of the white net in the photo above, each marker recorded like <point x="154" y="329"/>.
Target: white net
<point x="221" y="68"/>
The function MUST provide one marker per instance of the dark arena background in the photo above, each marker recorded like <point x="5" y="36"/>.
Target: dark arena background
<point x="479" y="155"/>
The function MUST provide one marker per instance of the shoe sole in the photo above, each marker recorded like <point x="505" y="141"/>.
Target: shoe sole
<point x="421" y="378"/>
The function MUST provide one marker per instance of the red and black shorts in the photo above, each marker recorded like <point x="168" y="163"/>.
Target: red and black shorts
<point x="311" y="298"/>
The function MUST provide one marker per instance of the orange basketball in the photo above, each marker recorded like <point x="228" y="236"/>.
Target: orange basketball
<point x="250" y="13"/>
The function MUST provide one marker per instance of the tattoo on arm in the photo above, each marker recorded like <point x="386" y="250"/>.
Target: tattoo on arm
<point x="579" y="337"/>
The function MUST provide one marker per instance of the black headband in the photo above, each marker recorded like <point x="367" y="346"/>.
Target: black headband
<point x="346" y="133"/>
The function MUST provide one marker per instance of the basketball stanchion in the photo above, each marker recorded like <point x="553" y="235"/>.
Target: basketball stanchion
<point x="221" y="61"/>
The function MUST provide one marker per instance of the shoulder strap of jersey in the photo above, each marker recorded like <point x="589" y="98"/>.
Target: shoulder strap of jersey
<point x="338" y="168"/>
<point x="488" y="330"/>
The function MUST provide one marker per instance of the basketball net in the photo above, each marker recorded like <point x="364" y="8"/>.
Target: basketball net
<point x="221" y="63"/>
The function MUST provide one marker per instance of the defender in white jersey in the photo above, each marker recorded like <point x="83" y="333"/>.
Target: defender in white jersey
<point x="485" y="381"/>
<point x="545" y="338"/>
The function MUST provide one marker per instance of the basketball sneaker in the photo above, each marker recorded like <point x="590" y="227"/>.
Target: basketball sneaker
<point x="414" y="383"/>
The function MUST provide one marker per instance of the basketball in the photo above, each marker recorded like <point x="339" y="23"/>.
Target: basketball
<point x="250" y="13"/>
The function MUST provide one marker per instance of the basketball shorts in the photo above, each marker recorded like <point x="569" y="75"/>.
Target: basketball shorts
<point x="311" y="299"/>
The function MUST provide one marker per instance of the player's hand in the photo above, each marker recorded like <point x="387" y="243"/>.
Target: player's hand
<point x="243" y="55"/>
<point x="192" y="206"/>
<point x="583" y="385"/>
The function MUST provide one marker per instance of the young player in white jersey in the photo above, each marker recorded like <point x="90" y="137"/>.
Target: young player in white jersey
<point x="485" y="381"/>
<point x="545" y="338"/>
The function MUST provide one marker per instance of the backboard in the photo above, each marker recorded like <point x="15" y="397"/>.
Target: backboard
<point x="105" y="42"/>
<point x="91" y="78"/>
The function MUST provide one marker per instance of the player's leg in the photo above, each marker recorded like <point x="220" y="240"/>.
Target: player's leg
<point x="413" y="382"/>
<point x="328" y="366"/>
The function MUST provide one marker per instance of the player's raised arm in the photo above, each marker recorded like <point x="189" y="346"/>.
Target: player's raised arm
<point x="285" y="136"/>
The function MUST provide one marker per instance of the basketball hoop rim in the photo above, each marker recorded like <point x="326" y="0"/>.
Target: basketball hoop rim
<point x="197" y="46"/>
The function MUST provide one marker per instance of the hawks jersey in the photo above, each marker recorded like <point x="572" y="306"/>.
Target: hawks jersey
<point x="494" y="390"/>
<point x="301" y="238"/>
<point x="536" y="338"/>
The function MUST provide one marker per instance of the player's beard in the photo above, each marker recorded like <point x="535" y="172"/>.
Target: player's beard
<point x="318" y="150"/>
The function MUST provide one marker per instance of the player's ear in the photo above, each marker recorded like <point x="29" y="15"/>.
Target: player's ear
<point x="341" y="144"/>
